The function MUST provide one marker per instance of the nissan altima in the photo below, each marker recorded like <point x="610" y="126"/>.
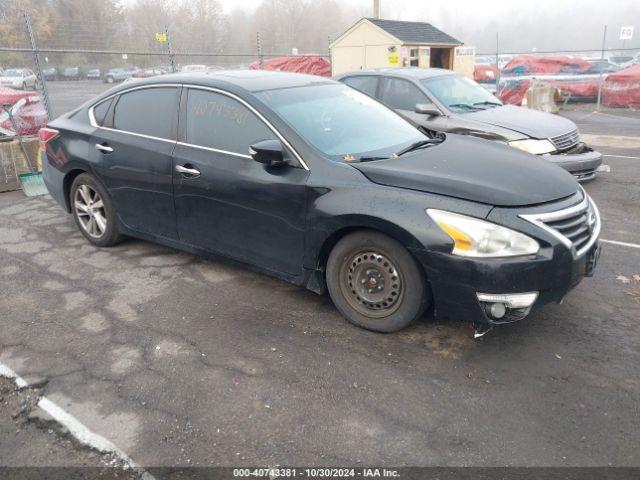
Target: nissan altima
<point x="313" y="182"/>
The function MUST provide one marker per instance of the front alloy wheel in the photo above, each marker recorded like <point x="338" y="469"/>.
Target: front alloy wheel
<point x="375" y="282"/>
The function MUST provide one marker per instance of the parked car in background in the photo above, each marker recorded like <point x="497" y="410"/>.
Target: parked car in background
<point x="149" y="72"/>
<point x="318" y="184"/>
<point x="93" y="74"/>
<point x="621" y="59"/>
<point x="440" y="100"/>
<point x="119" y="74"/>
<point x="72" y="73"/>
<point x="22" y="78"/>
<point x="193" y="68"/>
<point x="50" y="73"/>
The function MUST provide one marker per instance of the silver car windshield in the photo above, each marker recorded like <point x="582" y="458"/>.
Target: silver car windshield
<point x="460" y="94"/>
<point x="341" y="122"/>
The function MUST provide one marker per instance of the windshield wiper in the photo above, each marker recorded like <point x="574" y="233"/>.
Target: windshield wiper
<point x="369" y="159"/>
<point x="419" y="144"/>
<point x="488" y="102"/>
<point x="464" y="105"/>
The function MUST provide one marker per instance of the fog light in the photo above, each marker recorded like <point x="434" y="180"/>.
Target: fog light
<point x="507" y="307"/>
<point x="497" y="310"/>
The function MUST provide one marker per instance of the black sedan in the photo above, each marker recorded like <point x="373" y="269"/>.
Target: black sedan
<point x="440" y="100"/>
<point x="315" y="183"/>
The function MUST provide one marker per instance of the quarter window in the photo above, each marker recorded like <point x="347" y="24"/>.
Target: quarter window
<point x="150" y="111"/>
<point x="366" y="84"/>
<point x="217" y="121"/>
<point x="402" y="94"/>
<point x="100" y="111"/>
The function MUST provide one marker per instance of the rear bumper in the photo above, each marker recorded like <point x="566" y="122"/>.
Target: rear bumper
<point x="54" y="180"/>
<point x="456" y="281"/>
<point x="583" y="165"/>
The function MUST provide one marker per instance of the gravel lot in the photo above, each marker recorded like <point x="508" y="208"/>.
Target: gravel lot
<point x="179" y="360"/>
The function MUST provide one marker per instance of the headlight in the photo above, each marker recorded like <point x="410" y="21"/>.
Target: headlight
<point x="477" y="238"/>
<point x="537" y="147"/>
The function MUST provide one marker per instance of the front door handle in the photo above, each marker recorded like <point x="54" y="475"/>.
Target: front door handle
<point x="103" y="148"/>
<point x="192" y="172"/>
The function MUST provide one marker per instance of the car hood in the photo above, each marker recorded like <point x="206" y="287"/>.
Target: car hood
<point x="474" y="169"/>
<point x="531" y="123"/>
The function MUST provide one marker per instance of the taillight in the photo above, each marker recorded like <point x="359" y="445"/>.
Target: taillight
<point x="45" y="135"/>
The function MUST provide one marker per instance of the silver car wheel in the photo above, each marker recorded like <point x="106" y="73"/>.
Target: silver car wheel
<point x="89" y="209"/>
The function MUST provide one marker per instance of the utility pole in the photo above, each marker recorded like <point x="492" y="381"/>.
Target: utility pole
<point x="604" y="40"/>
<point x="260" y="55"/>
<point x="172" y="60"/>
<point x="36" y="56"/>
<point x="376" y="8"/>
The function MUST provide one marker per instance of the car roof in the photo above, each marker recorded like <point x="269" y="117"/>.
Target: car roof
<point x="249" y="80"/>
<point x="408" y="72"/>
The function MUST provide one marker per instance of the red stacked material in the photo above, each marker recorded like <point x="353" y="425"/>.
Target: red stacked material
<point x="622" y="89"/>
<point x="485" y="73"/>
<point x="313" y="65"/>
<point x="554" y="64"/>
<point x="28" y="112"/>
<point x="569" y="74"/>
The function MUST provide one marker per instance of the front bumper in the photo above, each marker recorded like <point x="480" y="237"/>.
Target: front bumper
<point x="582" y="162"/>
<point x="457" y="281"/>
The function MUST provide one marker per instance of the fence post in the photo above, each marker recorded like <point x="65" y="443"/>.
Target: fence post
<point x="39" y="76"/>
<point x="604" y="39"/>
<point x="260" y="56"/>
<point x="172" y="60"/>
<point x="497" y="63"/>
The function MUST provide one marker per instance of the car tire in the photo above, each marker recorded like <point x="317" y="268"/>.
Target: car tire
<point x="109" y="79"/>
<point x="93" y="211"/>
<point x="375" y="282"/>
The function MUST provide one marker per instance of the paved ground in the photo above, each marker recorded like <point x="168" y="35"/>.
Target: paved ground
<point x="182" y="361"/>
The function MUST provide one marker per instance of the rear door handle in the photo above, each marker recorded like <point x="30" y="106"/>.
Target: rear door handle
<point x="103" y="148"/>
<point x="192" y="172"/>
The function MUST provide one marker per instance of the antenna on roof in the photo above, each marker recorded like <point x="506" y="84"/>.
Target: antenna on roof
<point x="376" y="8"/>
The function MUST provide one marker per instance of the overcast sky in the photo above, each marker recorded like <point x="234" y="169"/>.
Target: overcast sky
<point x="523" y="25"/>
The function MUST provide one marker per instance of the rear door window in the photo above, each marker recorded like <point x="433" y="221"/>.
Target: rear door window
<point x="218" y="121"/>
<point x="366" y="84"/>
<point x="401" y="94"/>
<point x="150" y="111"/>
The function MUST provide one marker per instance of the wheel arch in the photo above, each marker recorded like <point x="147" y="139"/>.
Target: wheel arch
<point x="359" y="223"/>
<point x="69" y="177"/>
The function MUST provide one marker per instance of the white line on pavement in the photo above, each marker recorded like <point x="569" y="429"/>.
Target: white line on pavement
<point x="76" y="428"/>
<point x="621" y="156"/>
<point x="622" y="244"/>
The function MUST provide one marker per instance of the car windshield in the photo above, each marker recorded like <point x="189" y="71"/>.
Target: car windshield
<point x="13" y="72"/>
<point x="341" y="122"/>
<point x="460" y="94"/>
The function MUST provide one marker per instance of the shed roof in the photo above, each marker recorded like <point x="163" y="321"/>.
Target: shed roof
<point x="415" y="32"/>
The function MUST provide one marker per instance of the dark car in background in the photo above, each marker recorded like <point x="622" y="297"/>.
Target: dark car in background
<point x="318" y="184"/>
<point x="50" y="73"/>
<point x="440" y="100"/>
<point x="72" y="73"/>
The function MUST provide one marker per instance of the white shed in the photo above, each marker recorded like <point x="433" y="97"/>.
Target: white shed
<point x="377" y="43"/>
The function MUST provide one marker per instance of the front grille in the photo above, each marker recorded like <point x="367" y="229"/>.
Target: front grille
<point x="566" y="141"/>
<point x="577" y="227"/>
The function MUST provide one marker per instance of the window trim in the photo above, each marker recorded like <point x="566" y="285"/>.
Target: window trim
<point x="94" y="124"/>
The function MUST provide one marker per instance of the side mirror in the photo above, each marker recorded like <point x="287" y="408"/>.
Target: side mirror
<point x="427" y="109"/>
<point x="268" y="152"/>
